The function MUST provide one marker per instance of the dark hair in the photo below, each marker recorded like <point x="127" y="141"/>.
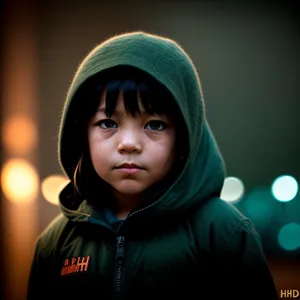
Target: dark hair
<point x="156" y="99"/>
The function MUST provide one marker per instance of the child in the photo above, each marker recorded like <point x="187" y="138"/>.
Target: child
<point x="141" y="216"/>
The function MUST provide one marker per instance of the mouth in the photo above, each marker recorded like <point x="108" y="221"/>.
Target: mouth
<point x="128" y="166"/>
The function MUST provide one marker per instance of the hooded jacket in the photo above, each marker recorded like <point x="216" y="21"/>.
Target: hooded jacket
<point x="187" y="243"/>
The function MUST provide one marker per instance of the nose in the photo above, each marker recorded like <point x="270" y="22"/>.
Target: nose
<point x="129" y="141"/>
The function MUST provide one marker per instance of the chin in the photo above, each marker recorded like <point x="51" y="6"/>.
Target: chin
<point x="130" y="192"/>
<point x="129" y="189"/>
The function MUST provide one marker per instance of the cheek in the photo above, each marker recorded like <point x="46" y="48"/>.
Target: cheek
<point x="99" y="150"/>
<point x="170" y="143"/>
<point x="164" y="152"/>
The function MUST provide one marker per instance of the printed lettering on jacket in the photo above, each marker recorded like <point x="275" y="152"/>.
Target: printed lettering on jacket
<point x="75" y="265"/>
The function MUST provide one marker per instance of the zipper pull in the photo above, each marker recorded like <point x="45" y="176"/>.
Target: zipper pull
<point x="120" y="257"/>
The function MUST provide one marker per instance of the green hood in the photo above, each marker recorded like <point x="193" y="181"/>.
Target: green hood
<point x="203" y="175"/>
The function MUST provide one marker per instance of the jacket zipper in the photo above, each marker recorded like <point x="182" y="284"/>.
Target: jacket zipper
<point x="120" y="258"/>
<point x="119" y="267"/>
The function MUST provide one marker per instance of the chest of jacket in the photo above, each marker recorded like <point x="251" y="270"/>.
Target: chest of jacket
<point x="166" y="263"/>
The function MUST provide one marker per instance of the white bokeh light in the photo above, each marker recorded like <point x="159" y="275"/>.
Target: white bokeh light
<point x="285" y="188"/>
<point x="233" y="190"/>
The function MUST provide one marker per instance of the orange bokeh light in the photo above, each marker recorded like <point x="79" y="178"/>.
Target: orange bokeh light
<point x="19" y="134"/>
<point x="19" y="180"/>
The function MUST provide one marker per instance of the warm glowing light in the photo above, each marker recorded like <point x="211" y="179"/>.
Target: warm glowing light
<point x="19" y="134"/>
<point x="19" y="181"/>
<point x="52" y="186"/>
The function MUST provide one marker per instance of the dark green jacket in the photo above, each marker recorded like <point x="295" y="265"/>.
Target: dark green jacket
<point x="188" y="243"/>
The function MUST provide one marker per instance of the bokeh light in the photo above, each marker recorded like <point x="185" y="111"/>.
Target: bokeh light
<point x="51" y="187"/>
<point x="233" y="190"/>
<point x="259" y="206"/>
<point x="285" y="188"/>
<point x="19" y="180"/>
<point x="289" y="236"/>
<point x="19" y="134"/>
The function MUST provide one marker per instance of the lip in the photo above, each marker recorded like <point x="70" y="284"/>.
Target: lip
<point x="129" y="170"/>
<point x="128" y="166"/>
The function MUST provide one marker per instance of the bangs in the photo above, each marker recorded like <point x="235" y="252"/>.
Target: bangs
<point x="155" y="97"/>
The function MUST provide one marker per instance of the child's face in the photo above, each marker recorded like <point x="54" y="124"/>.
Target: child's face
<point x="144" y="140"/>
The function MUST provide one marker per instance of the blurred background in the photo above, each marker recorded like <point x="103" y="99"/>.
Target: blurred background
<point x="247" y="56"/>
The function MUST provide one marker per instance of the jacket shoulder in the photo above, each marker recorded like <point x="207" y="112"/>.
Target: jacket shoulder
<point x="235" y="251"/>
<point x="50" y="237"/>
<point x="216" y="211"/>
<point x="219" y="223"/>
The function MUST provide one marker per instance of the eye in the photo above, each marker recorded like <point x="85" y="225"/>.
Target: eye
<point x="156" y="125"/>
<point x="107" y="124"/>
